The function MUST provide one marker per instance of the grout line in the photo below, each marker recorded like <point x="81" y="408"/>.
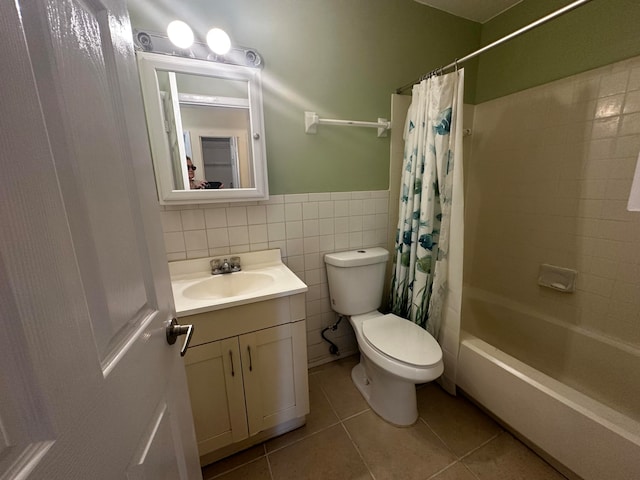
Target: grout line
<point x="459" y="462"/>
<point x="439" y="438"/>
<point x="268" y="463"/>
<point x="473" y="450"/>
<point x="337" y="421"/>
<point x="355" y="415"/>
<point x="443" y="469"/>
<point x="237" y="467"/>
<point x="486" y="442"/>
<point x="461" y="457"/>
<point x="329" y="401"/>
<point x="302" y="438"/>
<point x="344" y="427"/>
<point x="469" y="470"/>
<point x="312" y="433"/>
<point x="266" y="455"/>
<point x="341" y="422"/>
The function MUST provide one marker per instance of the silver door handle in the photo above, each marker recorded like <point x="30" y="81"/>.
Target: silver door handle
<point x="174" y="331"/>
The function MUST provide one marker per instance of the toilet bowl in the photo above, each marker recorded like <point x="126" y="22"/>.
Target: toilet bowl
<point x="386" y="381"/>
<point x="395" y="354"/>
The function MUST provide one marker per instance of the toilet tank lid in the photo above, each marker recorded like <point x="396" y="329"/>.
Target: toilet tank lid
<point x="357" y="258"/>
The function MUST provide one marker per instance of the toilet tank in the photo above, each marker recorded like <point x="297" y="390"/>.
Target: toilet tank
<point x="356" y="279"/>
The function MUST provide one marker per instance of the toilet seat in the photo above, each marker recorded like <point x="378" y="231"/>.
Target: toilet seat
<point x="402" y="340"/>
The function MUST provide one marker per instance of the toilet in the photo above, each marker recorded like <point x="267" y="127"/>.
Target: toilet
<point x="395" y="354"/>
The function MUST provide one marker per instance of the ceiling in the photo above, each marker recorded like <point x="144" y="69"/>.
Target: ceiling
<point x="477" y="10"/>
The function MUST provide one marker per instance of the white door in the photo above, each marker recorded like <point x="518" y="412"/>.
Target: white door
<point x="89" y="387"/>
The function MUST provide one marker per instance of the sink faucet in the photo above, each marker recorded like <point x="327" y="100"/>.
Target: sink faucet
<point x="225" y="267"/>
<point x="219" y="267"/>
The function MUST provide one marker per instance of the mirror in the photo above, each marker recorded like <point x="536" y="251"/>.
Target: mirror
<point x="205" y="127"/>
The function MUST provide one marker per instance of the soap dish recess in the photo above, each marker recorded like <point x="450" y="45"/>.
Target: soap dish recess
<point x="557" y="278"/>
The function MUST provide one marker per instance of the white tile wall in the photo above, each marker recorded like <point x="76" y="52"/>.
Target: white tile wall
<point x="303" y="226"/>
<point x="547" y="182"/>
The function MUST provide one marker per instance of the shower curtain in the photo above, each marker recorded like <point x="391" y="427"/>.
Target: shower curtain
<point x="427" y="278"/>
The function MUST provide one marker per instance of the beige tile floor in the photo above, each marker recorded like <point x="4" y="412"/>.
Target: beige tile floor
<point x="343" y="439"/>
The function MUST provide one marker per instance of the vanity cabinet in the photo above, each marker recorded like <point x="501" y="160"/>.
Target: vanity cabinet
<point x="217" y="394"/>
<point x="247" y="374"/>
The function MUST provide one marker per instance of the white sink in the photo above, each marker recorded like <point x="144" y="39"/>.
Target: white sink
<point x="229" y="285"/>
<point x="263" y="277"/>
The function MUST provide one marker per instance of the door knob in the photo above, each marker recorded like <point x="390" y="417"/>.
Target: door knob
<point x="174" y="331"/>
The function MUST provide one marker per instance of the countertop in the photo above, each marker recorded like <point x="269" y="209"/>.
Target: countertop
<point x="187" y="273"/>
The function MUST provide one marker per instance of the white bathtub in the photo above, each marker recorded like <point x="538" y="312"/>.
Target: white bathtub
<point x="588" y="437"/>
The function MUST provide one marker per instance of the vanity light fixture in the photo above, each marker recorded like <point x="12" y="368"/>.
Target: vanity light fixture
<point x="146" y="41"/>
<point x="218" y="41"/>
<point x="180" y="34"/>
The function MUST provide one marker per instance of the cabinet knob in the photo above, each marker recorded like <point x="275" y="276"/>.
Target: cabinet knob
<point x="174" y="331"/>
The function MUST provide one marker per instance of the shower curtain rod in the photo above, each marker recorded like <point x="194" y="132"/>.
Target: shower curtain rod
<point x="506" y="38"/>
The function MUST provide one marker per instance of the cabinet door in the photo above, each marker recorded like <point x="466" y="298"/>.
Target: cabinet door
<point x="214" y="375"/>
<point x="274" y="366"/>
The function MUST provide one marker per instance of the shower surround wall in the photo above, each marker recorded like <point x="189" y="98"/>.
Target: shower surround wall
<point x="303" y="226"/>
<point x="549" y="177"/>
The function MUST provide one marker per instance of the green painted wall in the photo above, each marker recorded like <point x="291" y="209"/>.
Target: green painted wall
<point x="593" y="35"/>
<point x="340" y="58"/>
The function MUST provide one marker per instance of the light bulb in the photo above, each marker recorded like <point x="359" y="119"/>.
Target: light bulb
<point x="218" y="41"/>
<point x="180" y="34"/>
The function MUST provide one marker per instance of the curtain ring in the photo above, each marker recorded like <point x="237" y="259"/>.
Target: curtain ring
<point x="456" y="63"/>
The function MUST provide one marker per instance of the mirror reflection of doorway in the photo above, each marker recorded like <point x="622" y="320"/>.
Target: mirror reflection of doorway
<point x="220" y="158"/>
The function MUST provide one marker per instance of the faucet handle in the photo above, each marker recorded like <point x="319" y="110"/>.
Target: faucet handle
<point x="235" y="264"/>
<point x="216" y="266"/>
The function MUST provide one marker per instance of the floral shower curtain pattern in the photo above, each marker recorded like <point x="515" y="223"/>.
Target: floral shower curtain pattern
<point x="433" y="133"/>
